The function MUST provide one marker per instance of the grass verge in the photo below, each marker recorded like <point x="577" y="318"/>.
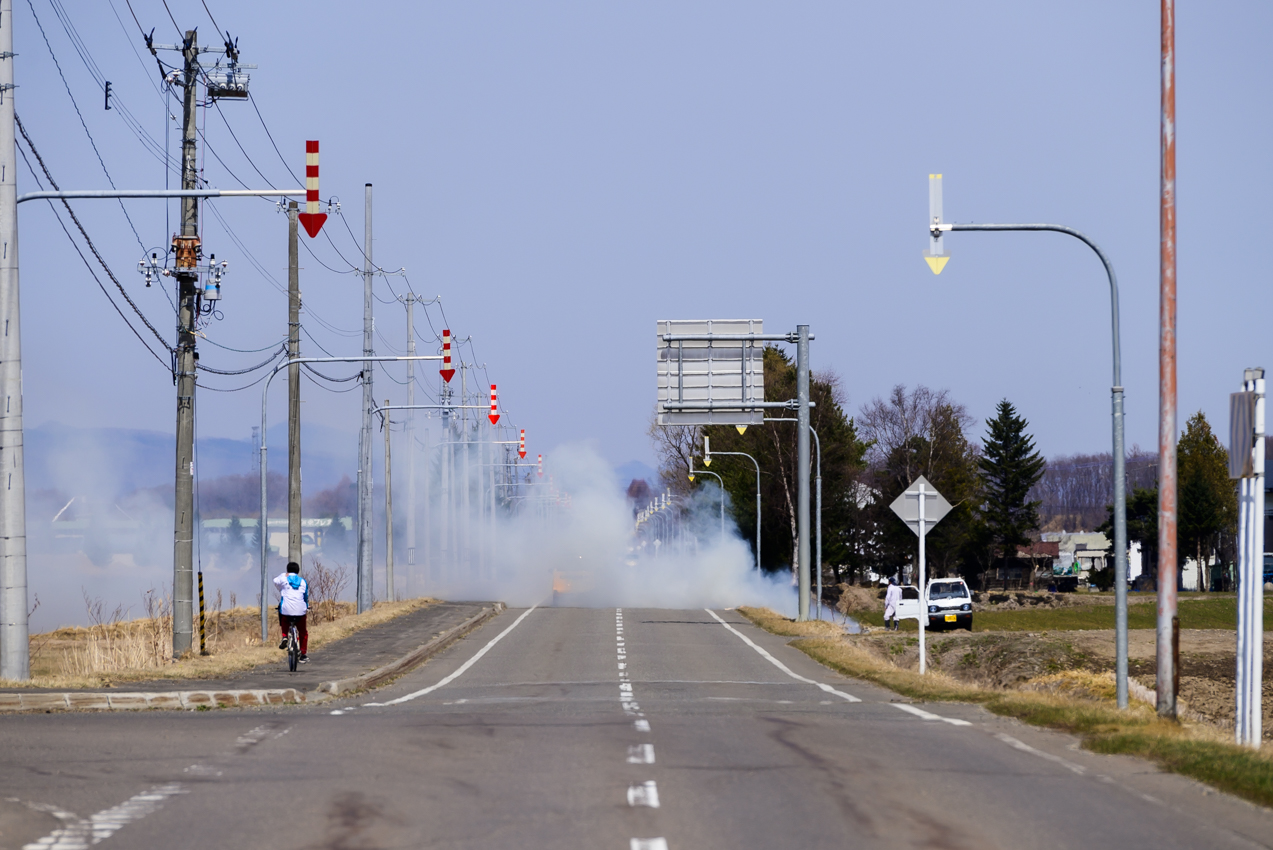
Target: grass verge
<point x="1198" y="752"/>
<point x="1203" y="611"/>
<point x="239" y="648"/>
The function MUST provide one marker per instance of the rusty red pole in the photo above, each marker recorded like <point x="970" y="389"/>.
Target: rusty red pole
<point x="1168" y="622"/>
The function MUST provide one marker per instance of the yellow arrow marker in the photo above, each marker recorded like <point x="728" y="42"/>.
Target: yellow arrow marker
<point x="691" y="478"/>
<point x="742" y="429"/>
<point x="936" y="263"/>
<point x="707" y="461"/>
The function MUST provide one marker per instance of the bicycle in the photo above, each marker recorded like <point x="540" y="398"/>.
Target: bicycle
<point x="293" y="648"/>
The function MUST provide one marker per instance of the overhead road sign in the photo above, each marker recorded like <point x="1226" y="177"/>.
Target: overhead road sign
<point x="711" y="372"/>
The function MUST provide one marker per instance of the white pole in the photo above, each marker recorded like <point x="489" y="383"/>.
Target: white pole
<point x="923" y="601"/>
<point x="1257" y="586"/>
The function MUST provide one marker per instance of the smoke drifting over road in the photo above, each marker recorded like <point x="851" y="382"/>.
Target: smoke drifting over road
<point x="577" y="533"/>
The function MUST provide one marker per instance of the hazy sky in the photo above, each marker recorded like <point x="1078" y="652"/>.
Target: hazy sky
<point x="564" y="174"/>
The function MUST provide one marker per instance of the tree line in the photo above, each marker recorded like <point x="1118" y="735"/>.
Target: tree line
<point x="1001" y="488"/>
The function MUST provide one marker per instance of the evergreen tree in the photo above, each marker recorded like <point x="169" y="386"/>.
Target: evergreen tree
<point x="1208" y="499"/>
<point x="234" y="535"/>
<point x="1010" y="466"/>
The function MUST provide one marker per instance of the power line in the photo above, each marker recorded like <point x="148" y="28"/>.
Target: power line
<point x="84" y="233"/>
<point x="90" y="268"/>
<point x="260" y="365"/>
<point x="80" y="115"/>
<point x="270" y="135"/>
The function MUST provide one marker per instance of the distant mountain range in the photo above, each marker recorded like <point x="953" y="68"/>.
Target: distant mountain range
<point x="113" y="462"/>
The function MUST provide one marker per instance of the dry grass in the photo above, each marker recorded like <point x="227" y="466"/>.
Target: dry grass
<point x="1073" y="701"/>
<point x="114" y="651"/>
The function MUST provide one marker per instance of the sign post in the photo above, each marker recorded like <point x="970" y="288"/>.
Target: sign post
<point x="921" y="507"/>
<point x="1246" y="463"/>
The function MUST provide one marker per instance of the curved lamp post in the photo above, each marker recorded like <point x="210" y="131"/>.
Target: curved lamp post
<point x="936" y="229"/>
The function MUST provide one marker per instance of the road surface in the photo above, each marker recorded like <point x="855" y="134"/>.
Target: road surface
<point x="632" y="729"/>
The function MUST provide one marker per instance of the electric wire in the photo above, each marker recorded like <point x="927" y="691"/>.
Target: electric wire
<point x="273" y="357"/>
<point x="270" y="135"/>
<point x="84" y="233"/>
<point x="88" y="266"/>
<point x="244" y="350"/>
<point x="119" y="107"/>
<point x="309" y="367"/>
<point x="180" y="34"/>
<point x="310" y="378"/>
<point x="92" y="142"/>
<point x="214" y="20"/>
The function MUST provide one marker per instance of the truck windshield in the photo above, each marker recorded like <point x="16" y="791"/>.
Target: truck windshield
<point x="947" y="590"/>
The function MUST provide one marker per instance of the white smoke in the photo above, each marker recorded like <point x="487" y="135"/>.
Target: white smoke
<point x="572" y="541"/>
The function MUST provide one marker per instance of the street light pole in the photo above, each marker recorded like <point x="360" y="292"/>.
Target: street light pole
<point x="753" y="460"/>
<point x="694" y="472"/>
<point x="1120" y="474"/>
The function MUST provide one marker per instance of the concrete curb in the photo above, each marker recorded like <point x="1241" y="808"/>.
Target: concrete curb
<point x="187" y="700"/>
<point x="136" y="701"/>
<point x="411" y="659"/>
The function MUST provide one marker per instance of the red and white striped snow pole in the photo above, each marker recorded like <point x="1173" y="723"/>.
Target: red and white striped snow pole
<point x="312" y="220"/>
<point x="494" y="416"/>
<point x="541" y="466"/>
<point x="446" y="371"/>
<point x="521" y="444"/>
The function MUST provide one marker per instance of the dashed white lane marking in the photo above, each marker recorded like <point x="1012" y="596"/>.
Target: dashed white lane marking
<point x="80" y="833"/>
<point x="643" y="726"/>
<point x="1026" y="748"/>
<point x="641" y="754"/>
<point x="928" y="715"/>
<point x="463" y="668"/>
<point x="647" y="844"/>
<point x="645" y="794"/>
<point x="626" y="697"/>
<point x="783" y="667"/>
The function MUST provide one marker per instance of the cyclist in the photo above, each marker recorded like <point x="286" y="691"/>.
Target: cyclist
<point x="293" y="606"/>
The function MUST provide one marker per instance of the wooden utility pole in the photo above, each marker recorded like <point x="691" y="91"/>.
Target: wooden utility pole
<point x="293" y="388"/>
<point x="186" y="249"/>
<point x="1168" y="621"/>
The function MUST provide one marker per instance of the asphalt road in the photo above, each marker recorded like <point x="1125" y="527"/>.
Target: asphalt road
<point x="599" y="729"/>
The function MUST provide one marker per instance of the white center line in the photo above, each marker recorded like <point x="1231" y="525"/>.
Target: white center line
<point x="928" y="715"/>
<point x="463" y="667"/>
<point x="648" y="844"/>
<point x="1026" y="748"/>
<point x="645" y="794"/>
<point x="641" y="754"/>
<point x="642" y="725"/>
<point x="783" y="667"/>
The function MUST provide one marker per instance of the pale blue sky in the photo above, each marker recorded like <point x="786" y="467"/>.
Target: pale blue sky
<point x="564" y="174"/>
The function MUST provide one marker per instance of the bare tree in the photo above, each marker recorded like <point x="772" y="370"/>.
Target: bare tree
<point x="675" y="446"/>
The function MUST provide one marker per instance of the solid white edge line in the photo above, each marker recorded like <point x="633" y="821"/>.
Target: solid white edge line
<point x="462" y="669"/>
<point x="928" y="715"/>
<point x="1018" y="744"/>
<point x="774" y="661"/>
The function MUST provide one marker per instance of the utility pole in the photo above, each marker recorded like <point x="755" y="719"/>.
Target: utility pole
<point x="802" y="468"/>
<point x="15" y="660"/>
<point x="410" y="301"/>
<point x="186" y="249"/>
<point x="364" y="438"/>
<point x="293" y="388"/>
<point x="389" y="589"/>
<point x="1168" y="622"/>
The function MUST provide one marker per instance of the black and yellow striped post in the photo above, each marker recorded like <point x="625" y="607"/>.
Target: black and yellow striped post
<point x="203" y="646"/>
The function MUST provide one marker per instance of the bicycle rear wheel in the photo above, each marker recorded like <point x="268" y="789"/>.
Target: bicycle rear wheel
<point x="293" y="649"/>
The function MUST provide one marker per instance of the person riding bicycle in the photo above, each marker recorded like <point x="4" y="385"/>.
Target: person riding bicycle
<point x="293" y="606"/>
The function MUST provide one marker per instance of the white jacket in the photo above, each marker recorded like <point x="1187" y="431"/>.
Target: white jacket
<point x="293" y="594"/>
<point x="892" y="598"/>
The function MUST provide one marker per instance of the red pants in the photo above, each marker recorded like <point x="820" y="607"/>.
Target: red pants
<point x="285" y="623"/>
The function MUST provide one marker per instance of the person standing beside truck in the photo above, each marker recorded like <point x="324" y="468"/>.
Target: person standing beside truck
<point x="892" y="599"/>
